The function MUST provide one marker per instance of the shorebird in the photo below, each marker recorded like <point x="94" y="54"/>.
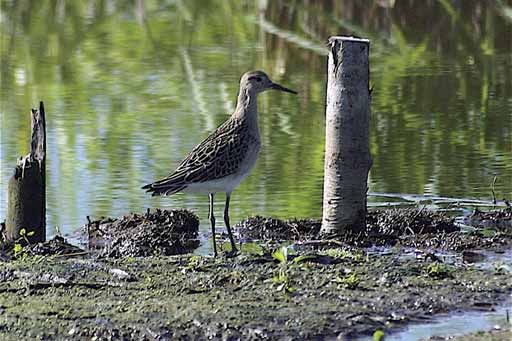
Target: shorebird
<point x="226" y="156"/>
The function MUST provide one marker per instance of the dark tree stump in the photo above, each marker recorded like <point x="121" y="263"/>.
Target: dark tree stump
<point x="26" y="190"/>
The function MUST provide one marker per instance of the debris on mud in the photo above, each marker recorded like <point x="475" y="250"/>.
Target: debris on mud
<point x="161" y="232"/>
<point x="500" y="220"/>
<point x="406" y="227"/>
<point x="402" y="222"/>
<point x="336" y="290"/>
<point x="57" y="246"/>
<point x="271" y="229"/>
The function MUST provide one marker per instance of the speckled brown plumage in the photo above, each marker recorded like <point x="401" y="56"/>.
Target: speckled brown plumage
<point x="221" y="154"/>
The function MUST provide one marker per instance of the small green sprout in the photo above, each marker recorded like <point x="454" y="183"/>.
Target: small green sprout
<point x="379" y="335"/>
<point x="18" y="249"/>
<point x="350" y="282"/>
<point x="281" y="255"/>
<point x="438" y="271"/>
<point x="24" y="236"/>
<point x="283" y="282"/>
<point x="340" y="254"/>
<point x="193" y="263"/>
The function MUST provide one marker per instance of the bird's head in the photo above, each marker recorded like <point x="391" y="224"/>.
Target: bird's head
<point x="258" y="81"/>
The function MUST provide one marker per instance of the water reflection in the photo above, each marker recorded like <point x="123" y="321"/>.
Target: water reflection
<point x="131" y="87"/>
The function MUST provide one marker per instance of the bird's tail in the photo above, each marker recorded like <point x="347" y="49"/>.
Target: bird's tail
<point x="157" y="188"/>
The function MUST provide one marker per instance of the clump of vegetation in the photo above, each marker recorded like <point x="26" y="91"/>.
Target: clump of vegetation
<point x="342" y="254"/>
<point x="281" y="280"/>
<point x="194" y="263"/>
<point x="438" y="270"/>
<point x="379" y="335"/>
<point x="20" y="252"/>
<point x="491" y="222"/>
<point x="351" y="281"/>
<point x="400" y="222"/>
<point x="281" y="255"/>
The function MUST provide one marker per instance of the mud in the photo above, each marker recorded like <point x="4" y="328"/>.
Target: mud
<point x="493" y="335"/>
<point x="160" y="232"/>
<point x="500" y="220"/>
<point x="400" y="227"/>
<point x="272" y="229"/>
<point x="123" y="287"/>
<point x="246" y="297"/>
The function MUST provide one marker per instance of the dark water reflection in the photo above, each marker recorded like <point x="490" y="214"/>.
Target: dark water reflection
<point x="131" y="87"/>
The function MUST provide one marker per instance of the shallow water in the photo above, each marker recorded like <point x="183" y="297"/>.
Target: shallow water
<point x="455" y="325"/>
<point x="131" y="87"/>
<point x="460" y="323"/>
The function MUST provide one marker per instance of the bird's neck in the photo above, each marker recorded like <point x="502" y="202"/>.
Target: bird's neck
<point x="246" y="106"/>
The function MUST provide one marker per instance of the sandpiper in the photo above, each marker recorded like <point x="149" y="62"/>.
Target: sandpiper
<point x="226" y="157"/>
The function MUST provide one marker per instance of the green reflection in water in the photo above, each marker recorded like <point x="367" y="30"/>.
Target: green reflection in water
<point x="131" y="87"/>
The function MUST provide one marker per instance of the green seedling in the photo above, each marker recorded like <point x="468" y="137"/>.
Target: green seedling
<point x="350" y="282"/>
<point x="24" y="235"/>
<point x="193" y="263"/>
<point x="378" y="335"/>
<point x="341" y="254"/>
<point x="438" y="271"/>
<point x="281" y="255"/>
<point x="19" y="251"/>
<point x="282" y="282"/>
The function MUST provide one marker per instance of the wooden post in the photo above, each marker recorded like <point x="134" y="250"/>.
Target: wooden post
<point x="347" y="153"/>
<point x="26" y="189"/>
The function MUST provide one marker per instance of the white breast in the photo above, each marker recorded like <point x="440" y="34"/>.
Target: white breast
<point x="230" y="182"/>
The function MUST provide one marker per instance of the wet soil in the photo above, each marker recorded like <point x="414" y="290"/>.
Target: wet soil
<point x="504" y="334"/>
<point x="250" y="296"/>
<point x="395" y="227"/>
<point x="500" y="220"/>
<point x="160" y="232"/>
<point x="124" y="287"/>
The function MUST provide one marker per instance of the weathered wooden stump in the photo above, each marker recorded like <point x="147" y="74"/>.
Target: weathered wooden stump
<point x="26" y="189"/>
<point x="347" y="153"/>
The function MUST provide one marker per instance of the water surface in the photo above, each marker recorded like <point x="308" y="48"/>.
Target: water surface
<point x="131" y="87"/>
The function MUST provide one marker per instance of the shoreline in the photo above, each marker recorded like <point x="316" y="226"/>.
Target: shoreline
<point x="292" y="285"/>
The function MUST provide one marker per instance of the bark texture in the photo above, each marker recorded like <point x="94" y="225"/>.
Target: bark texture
<point x="26" y="189"/>
<point x="347" y="153"/>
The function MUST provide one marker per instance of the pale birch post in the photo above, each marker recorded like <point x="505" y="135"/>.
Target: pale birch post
<point x="347" y="153"/>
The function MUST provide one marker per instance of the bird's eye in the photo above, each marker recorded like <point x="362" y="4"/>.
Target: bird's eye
<point x="258" y="79"/>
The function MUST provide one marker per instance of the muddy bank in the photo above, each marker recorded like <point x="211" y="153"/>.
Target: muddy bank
<point x="158" y="232"/>
<point x="353" y="293"/>
<point x="163" y="232"/>
<point x="395" y="227"/>
<point x="323" y="289"/>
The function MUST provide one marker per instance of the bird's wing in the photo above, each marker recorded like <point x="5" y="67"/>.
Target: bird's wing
<point x="219" y="155"/>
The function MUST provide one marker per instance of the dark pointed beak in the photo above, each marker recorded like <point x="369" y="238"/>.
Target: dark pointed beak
<point x="276" y="86"/>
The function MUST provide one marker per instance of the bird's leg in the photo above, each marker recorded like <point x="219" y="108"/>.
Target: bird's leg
<point x="226" y="221"/>
<point x="212" y="221"/>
